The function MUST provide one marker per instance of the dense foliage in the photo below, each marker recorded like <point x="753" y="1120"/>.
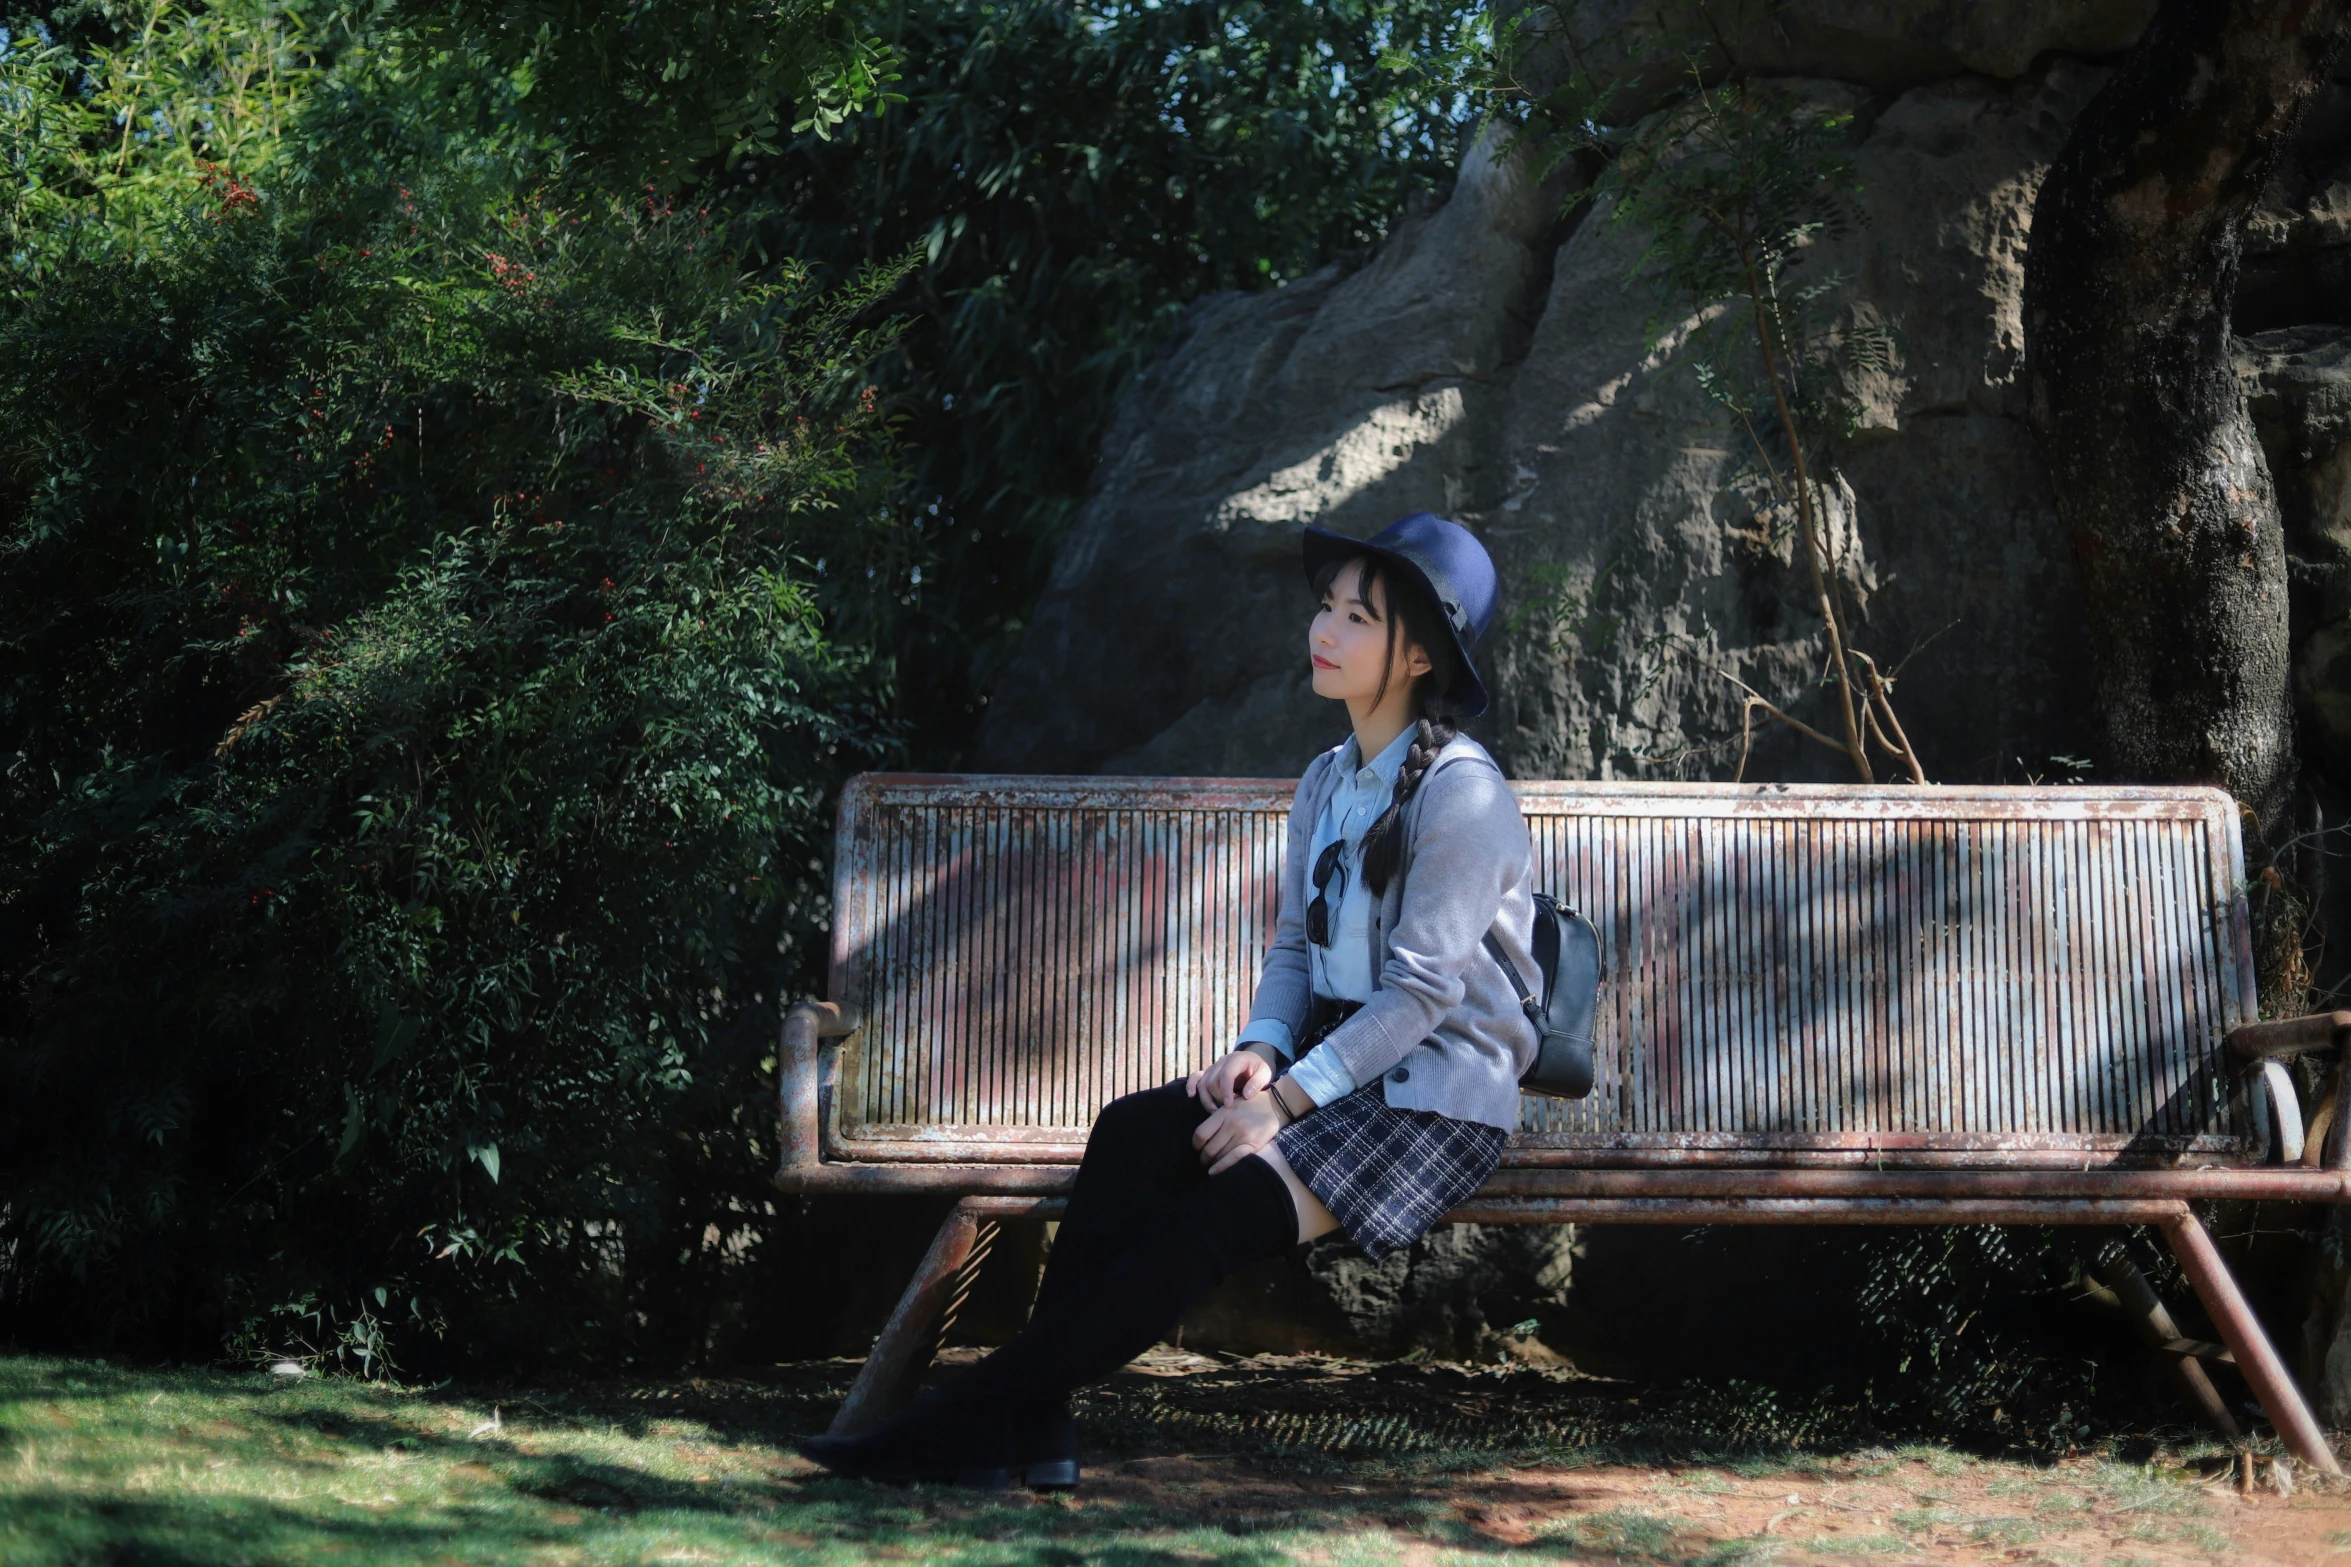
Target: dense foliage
<point x="1072" y="176"/>
<point x="418" y="717"/>
<point x="453" y="549"/>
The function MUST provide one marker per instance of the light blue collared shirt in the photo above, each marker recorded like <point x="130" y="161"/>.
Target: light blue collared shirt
<point x="1342" y="970"/>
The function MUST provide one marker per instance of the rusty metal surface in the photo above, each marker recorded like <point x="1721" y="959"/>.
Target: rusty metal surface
<point x="2106" y="1210"/>
<point x="2241" y="1330"/>
<point x="1829" y="974"/>
<point x="2335" y="1146"/>
<point x="896" y="1362"/>
<point x="1028" y="950"/>
<point x="2256" y="1184"/>
<point x="2152" y="1320"/>
<point x="1814" y="1210"/>
<point x="2241" y="1183"/>
<point x="2291" y="1036"/>
<point x="842" y="1177"/>
<point x="1017" y="1207"/>
<point x="798" y="1080"/>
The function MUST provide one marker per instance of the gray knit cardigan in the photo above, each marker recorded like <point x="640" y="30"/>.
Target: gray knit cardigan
<point x="1443" y="1028"/>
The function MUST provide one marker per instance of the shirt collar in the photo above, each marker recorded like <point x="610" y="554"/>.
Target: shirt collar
<point x="1387" y="764"/>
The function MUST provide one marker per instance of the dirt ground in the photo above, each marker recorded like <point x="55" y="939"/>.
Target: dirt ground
<point x="1449" y="1461"/>
<point x="1909" y="1508"/>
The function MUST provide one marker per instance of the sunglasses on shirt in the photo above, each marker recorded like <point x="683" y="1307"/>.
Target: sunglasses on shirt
<point x="1318" y="913"/>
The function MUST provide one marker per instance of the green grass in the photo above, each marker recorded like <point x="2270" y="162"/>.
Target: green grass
<point x="99" y="1464"/>
<point x="1873" y="1546"/>
<point x="1624" y="1533"/>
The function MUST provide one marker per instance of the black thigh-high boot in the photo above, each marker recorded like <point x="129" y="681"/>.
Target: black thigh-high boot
<point x="1138" y="1154"/>
<point x="970" y="1431"/>
<point x="1189" y="1244"/>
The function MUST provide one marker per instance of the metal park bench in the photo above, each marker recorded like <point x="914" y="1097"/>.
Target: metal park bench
<point x="1823" y="1005"/>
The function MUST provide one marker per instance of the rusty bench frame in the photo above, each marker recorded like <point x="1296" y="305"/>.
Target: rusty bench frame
<point x="1654" y="1190"/>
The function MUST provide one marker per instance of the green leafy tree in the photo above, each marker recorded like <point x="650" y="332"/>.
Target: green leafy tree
<point x="453" y="549"/>
<point x="649" y="89"/>
<point x="417" y="712"/>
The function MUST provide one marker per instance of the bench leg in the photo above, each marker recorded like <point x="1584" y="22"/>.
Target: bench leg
<point x="2159" y="1332"/>
<point x="2280" y="1399"/>
<point x="925" y="1311"/>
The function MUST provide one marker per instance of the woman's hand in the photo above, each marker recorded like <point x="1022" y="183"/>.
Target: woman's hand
<point x="1242" y="1075"/>
<point x="1241" y="1128"/>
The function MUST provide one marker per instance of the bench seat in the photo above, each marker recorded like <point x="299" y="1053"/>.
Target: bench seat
<point x="1821" y="1004"/>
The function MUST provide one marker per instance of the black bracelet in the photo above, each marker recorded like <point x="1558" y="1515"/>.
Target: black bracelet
<point x="1289" y="1116"/>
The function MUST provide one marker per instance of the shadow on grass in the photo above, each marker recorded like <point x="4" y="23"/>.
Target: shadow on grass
<point x="837" y="1522"/>
<point x="50" y="1525"/>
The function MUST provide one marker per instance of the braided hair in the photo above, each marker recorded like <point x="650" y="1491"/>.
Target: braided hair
<point x="1383" y="840"/>
<point x="1412" y="617"/>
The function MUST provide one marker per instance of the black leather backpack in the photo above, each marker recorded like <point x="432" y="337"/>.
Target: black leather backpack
<point x="1567" y="952"/>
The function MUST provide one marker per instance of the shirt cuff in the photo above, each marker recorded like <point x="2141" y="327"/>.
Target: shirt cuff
<point x="1269" y="1031"/>
<point x="1323" y="1076"/>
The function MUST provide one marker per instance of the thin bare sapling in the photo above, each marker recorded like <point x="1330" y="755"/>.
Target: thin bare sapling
<point x="1733" y="182"/>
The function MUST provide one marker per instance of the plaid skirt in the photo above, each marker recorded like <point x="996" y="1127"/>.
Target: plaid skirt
<point x="1387" y="1174"/>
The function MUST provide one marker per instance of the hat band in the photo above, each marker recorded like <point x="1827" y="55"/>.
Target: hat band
<point x="1448" y="601"/>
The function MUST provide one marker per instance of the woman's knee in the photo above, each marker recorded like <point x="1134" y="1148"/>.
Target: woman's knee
<point x="1151" y="1130"/>
<point x="1166" y="1108"/>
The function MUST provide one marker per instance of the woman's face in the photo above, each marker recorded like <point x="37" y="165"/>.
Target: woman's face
<point x="1349" y="645"/>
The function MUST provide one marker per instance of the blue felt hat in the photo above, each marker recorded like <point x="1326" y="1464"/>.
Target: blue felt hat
<point x="1446" y="559"/>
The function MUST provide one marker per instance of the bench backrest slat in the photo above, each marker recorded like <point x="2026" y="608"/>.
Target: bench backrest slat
<point x="2019" y="974"/>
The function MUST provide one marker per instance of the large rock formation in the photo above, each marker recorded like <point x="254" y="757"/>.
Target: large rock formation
<point x="1487" y="365"/>
<point x="1499" y="361"/>
<point x="1167" y="641"/>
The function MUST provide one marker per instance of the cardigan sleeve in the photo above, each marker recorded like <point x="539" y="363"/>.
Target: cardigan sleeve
<point x="1469" y="841"/>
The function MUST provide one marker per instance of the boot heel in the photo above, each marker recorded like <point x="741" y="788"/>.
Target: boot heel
<point x="1045" y="1447"/>
<point x="1052" y="1474"/>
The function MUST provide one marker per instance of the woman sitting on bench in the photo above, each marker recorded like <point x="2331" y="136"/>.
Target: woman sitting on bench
<point x="1378" y="1075"/>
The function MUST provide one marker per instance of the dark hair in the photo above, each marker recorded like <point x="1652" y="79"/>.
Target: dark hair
<point x="1410" y="614"/>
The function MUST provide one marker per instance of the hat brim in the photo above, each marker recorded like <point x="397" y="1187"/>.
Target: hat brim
<point x="1323" y="548"/>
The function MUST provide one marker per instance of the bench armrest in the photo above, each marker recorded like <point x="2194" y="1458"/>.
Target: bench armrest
<point x="2293" y="1036"/>
<point x="2264" y="1046"/>
<point x="806" y="1024"/>
<point x="839" y="1019"/>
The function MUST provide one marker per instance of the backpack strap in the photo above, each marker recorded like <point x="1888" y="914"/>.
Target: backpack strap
<point x="1526" y="997"/>
<point x="1420" y="796"/>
